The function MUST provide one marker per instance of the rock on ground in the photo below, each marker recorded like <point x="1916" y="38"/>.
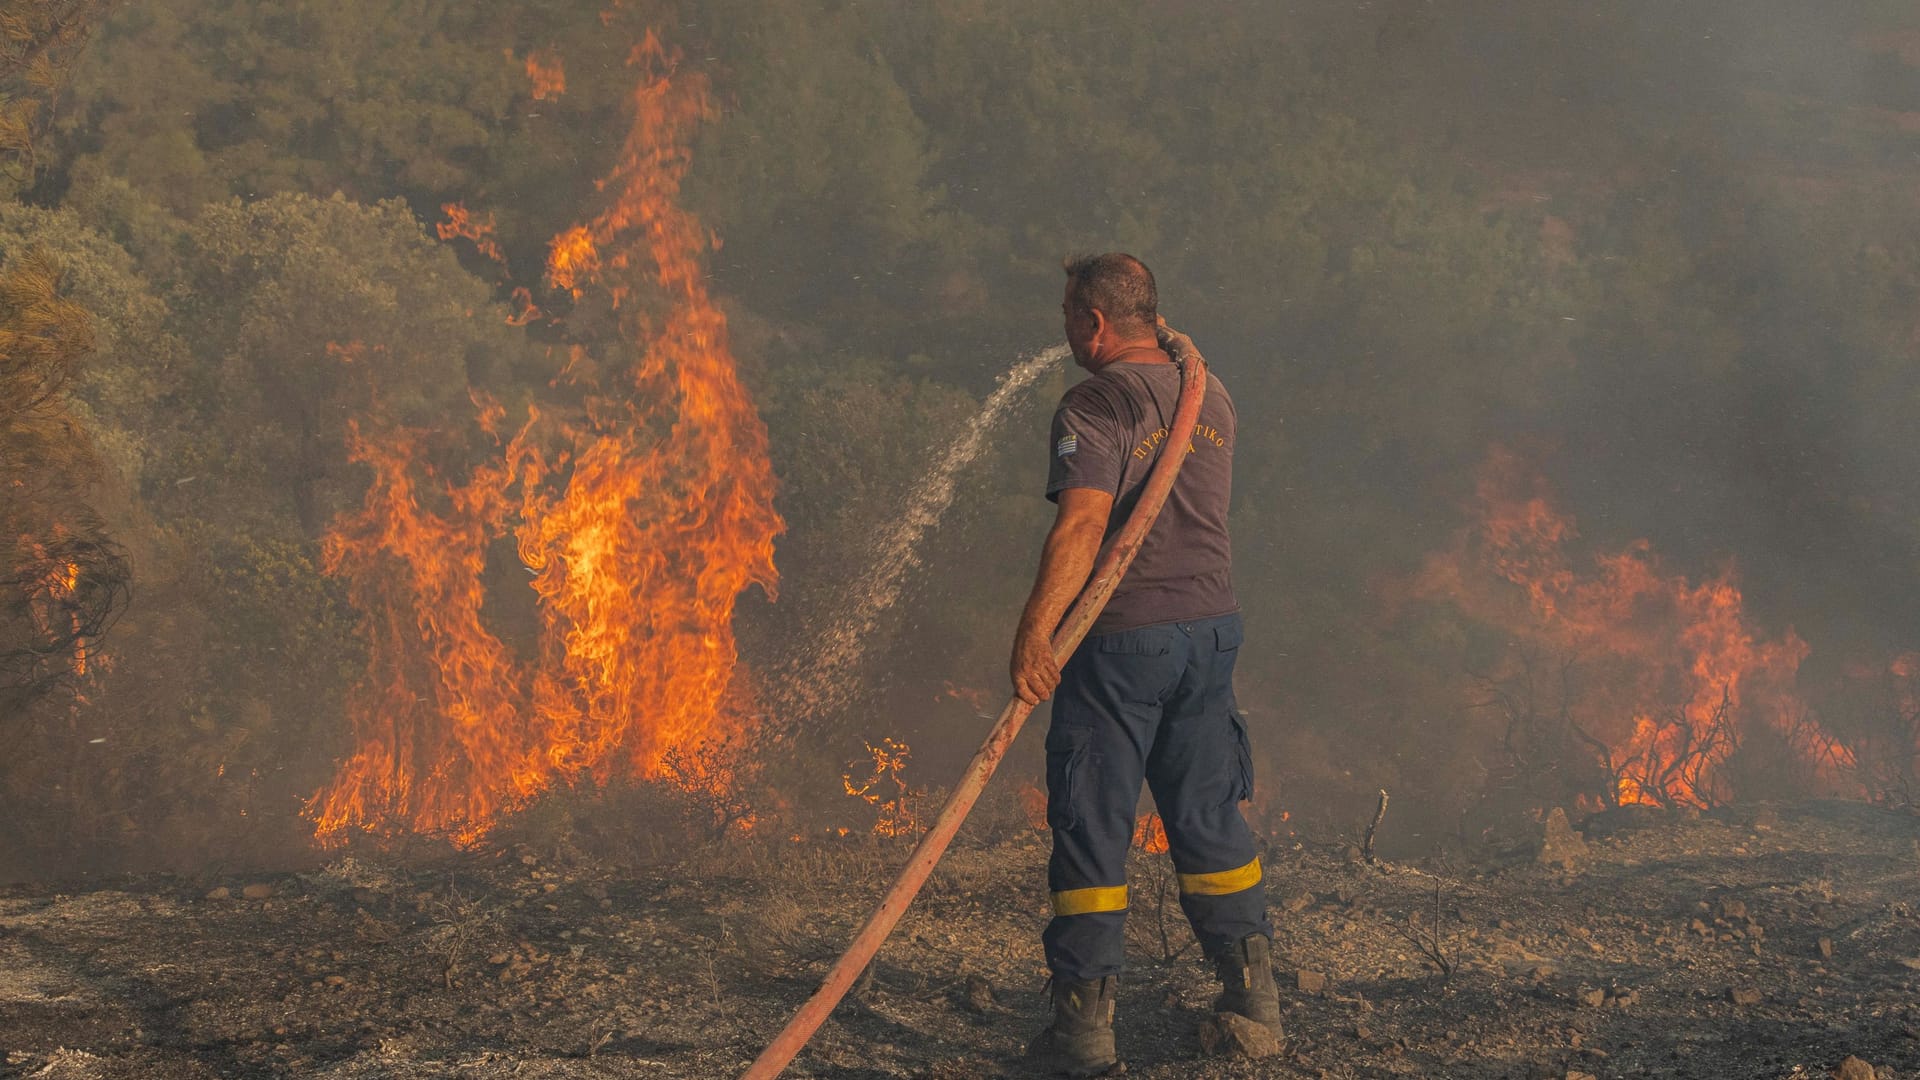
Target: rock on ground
<point x="1230" y="1034"/>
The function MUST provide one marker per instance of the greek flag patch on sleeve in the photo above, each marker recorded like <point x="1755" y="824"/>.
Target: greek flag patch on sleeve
<point x="1066" y="446"/>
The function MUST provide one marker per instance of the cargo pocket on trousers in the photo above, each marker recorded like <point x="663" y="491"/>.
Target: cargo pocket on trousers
<point x="1066" y="762"/>
<point x="1229" y="636"/>
<point x="1242" y="759"/>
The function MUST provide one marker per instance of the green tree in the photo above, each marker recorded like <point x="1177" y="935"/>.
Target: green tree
<point x="194" y="102"/>
<point x="38" y="43"/>
<point x="227" y="355"/>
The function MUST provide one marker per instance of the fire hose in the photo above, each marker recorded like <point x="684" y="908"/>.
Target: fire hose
<point x="1107" y="571"/>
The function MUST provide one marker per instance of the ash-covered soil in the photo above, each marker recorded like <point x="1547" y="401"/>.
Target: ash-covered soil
<point x="1769" y="942"/>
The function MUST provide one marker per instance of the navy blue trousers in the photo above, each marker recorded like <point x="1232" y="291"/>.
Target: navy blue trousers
<point x="1153" y="704"/>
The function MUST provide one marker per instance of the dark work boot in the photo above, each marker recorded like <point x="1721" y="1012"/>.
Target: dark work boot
<point x="1246" y="979"/>
<point x="1079" y="1042"/>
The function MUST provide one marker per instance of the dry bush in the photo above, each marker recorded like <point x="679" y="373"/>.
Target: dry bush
<point x="1543" y="753"/>
<point x="355" y="872"/>
<point x="460" y="925"/>
<point x="714" y="778"/>
<point x="777" y="918"/>
<point x="1434" y="933"/>
<point x="1793" y="760"/>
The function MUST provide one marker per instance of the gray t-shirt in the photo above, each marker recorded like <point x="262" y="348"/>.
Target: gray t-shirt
<point x="1106" y="435"/>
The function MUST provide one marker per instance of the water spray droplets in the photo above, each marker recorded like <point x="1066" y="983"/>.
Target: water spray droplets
<point x="819" y="679"/>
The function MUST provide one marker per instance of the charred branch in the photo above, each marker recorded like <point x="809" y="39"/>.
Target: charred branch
<point x="1603" y="754"/>
<point x="1373" y="827"/>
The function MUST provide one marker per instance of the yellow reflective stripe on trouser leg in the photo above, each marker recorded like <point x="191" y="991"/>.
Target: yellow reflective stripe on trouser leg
<point x="1089" y="901"/>
<point x="1221" y="882"/>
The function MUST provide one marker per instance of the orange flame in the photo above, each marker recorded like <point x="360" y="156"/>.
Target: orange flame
<point x="886" y="790"/>
<point x="669" y="515"/>
<point x="65" y="583"/>
<point x="573" y="258"/>
<point x="462" y="224"/>
<point x="50" y="599"/>
<point x="1675" y="674"/>
<point x="641" y="521"/>
<point x="1150" y="834"/>
<point x="547" y="73"/>
<point x="444" y="739"/>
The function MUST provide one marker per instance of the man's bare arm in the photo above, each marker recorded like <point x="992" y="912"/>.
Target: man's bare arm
<point x="1065" y="562"/>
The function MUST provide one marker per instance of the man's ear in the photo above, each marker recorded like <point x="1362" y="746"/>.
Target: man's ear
<point x="1099" y="323"/>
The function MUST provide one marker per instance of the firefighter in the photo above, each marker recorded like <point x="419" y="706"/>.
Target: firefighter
<point x="1148" y="696"/>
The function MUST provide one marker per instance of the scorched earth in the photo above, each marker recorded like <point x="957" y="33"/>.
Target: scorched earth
<point x="1768" y="941"/>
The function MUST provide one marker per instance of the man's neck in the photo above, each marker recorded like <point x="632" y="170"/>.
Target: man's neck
<point x="1144" y="351"/>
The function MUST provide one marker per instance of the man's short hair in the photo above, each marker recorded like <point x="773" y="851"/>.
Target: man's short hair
<point x="1117" y="285"/>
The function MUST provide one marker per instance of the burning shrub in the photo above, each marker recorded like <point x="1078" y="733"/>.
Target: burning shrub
<point x="642" y="510"/>
<point x="1656" y="683"/>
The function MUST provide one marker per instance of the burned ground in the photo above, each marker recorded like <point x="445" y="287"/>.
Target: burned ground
<point x="1764" y="942"/>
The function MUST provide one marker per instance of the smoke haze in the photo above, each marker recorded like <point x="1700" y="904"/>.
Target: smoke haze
<point x="1666" y="257"/>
